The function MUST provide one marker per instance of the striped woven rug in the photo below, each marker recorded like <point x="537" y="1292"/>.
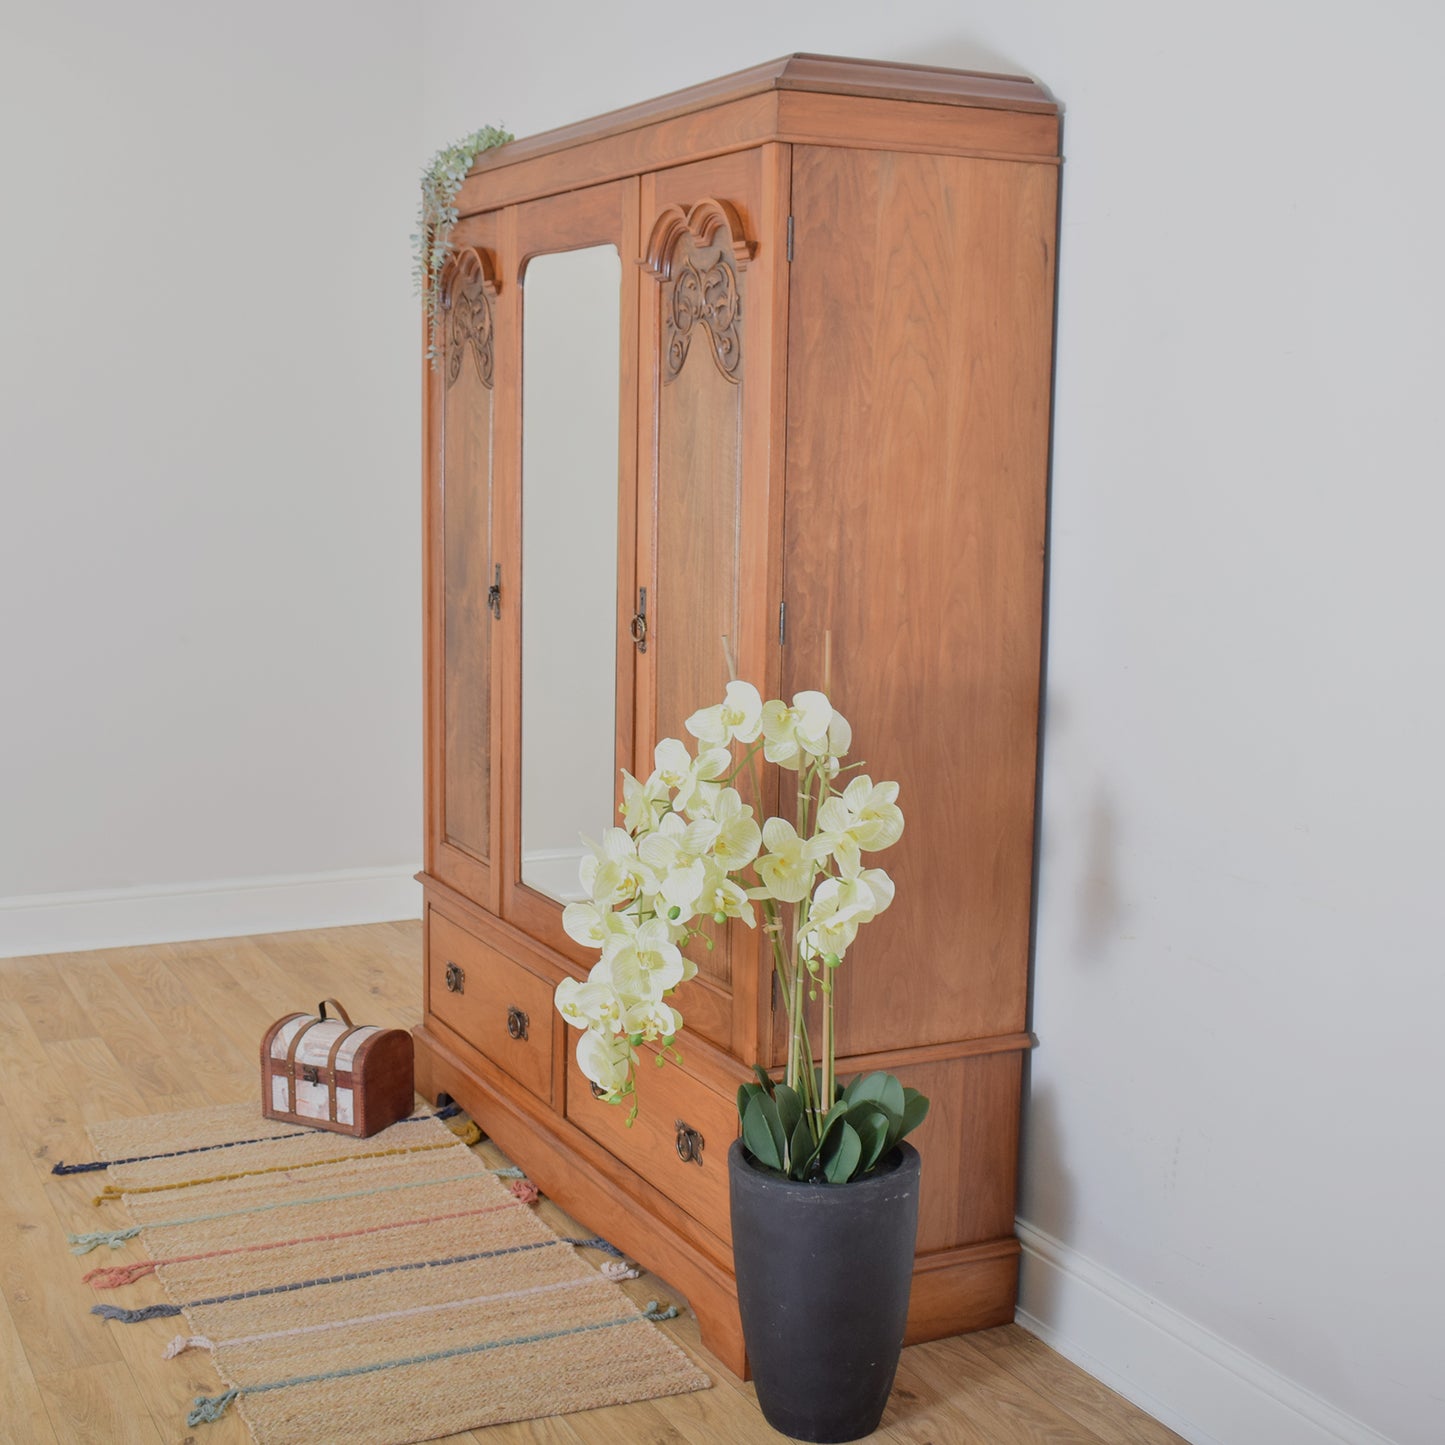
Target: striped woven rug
<point x="376" y="1291"/>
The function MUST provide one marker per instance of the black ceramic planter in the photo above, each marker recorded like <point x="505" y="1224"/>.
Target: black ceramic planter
<point x="824" y="1272"/>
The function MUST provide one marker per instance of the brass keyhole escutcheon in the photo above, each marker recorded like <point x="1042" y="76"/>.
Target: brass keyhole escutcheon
<point x="516" y="1023"/>
<point x="689" y="1143"/>
<point x="637" y="629"/>
<point x="456" y="979"/>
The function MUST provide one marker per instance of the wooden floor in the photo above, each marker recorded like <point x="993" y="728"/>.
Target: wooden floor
<point x="92" y="1036"/>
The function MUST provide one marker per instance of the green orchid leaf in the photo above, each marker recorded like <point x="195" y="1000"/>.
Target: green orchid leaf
<point x="763" y="1132"/>
<point x="801" y="1149"/>
<point x="746" y="1092"/>
<point x="763" y="1080"/>
<point x="790" y="1108"/>
<point x="915" y="1111"/>
<point x="841" y="1155"/>
<point x="874" y="1128"/>
<point x="881" y="1087"/>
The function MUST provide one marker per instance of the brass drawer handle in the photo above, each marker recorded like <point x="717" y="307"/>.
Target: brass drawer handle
<point x="456" y="979"/>
<point x="689" y="1144"/>
<point x="516" y="1023"/>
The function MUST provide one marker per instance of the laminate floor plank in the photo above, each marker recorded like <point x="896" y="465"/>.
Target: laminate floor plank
<point x="22" y="1406"/>
<point x="43" y="1112"/>
<point x="39" y="1278"/>
<point x="235" y="997"/>
<point x="99" y="1035"/>
<point x="1107" y="1413"/>
<point x="100" y="1084"/>
<point x="189" y="1055"/>
<point x="37" y="985"/>
<point x="130" y="1032"/>
<point x="977" y="1390"/>
<point x="99" y="1405"/>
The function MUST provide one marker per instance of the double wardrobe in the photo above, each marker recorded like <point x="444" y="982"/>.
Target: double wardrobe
<point x="751" y="380"/>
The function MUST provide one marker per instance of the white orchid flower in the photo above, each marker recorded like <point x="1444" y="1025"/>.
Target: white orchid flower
<point x="791" y="732"/>
<point x="722" y="896"/>
<point x="592" y="925"/>
<point x="675" y="855"/>
<point x="685" y="775"/>
<point x="646" y="966"/>
<point x="840" y="907"/>
<point x="653" y="1020"/>
<point x="880" y="885"/>
<point x="840" y="740"/>
<point x="863" y="818"/>
<point x="612" y="873"/>
<point x="739" y="717"/>
<point x="593" y="1004"/>
<point x="788" y="865"/>
<point x="605" y="1059"/>
<point x="738" y="835"/>
<point x="832" y="923"/>
<point x="642" y="803"/>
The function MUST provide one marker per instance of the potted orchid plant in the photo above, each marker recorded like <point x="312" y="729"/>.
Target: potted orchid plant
<point x="821" y="1169"/>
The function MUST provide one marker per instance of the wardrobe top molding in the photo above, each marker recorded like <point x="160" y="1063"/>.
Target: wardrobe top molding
<point x="801" y="99"/>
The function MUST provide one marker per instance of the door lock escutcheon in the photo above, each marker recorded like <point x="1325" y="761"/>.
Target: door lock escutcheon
<point x="638" y="629"/>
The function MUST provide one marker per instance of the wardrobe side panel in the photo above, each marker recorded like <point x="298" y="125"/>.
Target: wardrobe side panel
<point x="920" y="335"/>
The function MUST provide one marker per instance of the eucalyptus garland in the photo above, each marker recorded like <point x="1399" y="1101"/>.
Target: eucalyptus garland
<point x="436" y="216"/>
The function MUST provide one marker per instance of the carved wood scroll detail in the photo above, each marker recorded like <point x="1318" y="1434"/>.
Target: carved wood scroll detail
<point x="468" y="290"/>
<point x="697" y="255"/>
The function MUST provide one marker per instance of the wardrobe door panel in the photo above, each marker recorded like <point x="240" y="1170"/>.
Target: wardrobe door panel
<point x="703" y="482"/>
<point x="461" y="509"/>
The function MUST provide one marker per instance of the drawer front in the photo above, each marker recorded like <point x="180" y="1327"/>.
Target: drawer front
<point x="498" y="1006"/>
<point x="691" y="1168"/>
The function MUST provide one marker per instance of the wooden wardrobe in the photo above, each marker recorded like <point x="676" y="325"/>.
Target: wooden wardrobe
<point x="734" y="379"/>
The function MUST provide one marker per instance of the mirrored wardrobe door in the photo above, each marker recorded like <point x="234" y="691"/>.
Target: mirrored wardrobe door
<point x="461" y="513"/>
<point x="573" y="540"/>
<point x="571" y="326"/>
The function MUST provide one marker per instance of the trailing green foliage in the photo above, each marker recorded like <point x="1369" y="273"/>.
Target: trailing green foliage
<point x="437" y="214"/>
<point x="863" y="1124"/>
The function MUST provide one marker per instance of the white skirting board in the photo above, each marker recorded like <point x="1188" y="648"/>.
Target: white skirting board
<point x="223" y="908"/>
<point x="1183" y="1374"/>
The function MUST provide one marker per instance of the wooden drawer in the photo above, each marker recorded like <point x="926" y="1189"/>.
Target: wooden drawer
<point x="668" y="1101"/>
<point x="495" y="1004"/>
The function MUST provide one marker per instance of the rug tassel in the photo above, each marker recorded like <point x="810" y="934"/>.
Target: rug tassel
<point x="652" y="1311"/>
<point x="182" y="1343"/>
<point x="510" y="1172"/>
<point x="134" y="1317"/>
<point x="118" y="1274"/>
<point x="210" y="1407"/>
<point x="64" y="1168"/>
<point x="619" y="1269"/>
<point x="468" y="1133"/>
<point x="84" y="1243"/>
<point x="595" y="1243"/>
<point x="106" y="1195"/>
<point x="450" y="1112"/>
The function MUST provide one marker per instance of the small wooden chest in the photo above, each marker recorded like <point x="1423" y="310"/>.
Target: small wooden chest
<point x="332" y="1074"/>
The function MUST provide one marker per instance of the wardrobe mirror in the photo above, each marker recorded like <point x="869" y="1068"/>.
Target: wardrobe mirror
<point x="571" y="339"/>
